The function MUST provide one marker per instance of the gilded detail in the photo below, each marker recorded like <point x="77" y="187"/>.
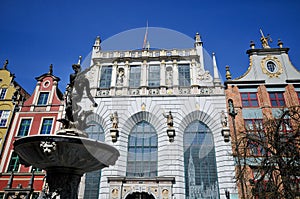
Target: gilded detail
<point x="271" y="72"/>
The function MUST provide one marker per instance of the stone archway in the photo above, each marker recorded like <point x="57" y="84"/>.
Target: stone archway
<point x="142" y="195"/>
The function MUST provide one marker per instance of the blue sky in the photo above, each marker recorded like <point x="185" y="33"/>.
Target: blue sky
<point x="36" y="33"/>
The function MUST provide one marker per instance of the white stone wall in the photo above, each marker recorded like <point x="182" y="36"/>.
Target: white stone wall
<point x="185" y="109"/>
<point x="203" y="100"/>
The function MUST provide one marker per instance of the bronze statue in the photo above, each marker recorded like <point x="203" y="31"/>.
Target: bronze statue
<point x="75" y="117"/>
<point x="169" y="119"/>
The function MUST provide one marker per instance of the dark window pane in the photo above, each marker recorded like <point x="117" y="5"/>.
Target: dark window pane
<point x="142" y="148"/>
<point x="200" y="162"/>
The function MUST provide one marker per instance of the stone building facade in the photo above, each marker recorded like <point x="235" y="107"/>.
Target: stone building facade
<point x="161" y="109"/>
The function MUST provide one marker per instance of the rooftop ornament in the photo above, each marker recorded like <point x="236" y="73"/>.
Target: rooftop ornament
<point x="264" y="40"/>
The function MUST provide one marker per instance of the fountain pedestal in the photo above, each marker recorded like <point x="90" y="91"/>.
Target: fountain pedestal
<point x="65" y="159"/>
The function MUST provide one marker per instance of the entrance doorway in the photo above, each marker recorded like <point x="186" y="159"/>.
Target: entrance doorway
<point x="140" y="196"/>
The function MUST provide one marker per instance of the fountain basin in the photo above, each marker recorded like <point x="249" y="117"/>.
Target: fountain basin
<point x="67" y="154"/>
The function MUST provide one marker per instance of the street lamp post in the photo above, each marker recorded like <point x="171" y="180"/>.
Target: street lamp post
<point x="233" y="113"/>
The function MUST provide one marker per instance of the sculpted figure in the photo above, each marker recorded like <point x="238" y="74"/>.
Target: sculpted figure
<point x="76" y="117"/>
<point x="169" y="119"/>
<point x="115" y="120"/>
<point x="224" y="120"/>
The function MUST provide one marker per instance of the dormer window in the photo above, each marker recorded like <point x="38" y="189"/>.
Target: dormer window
<point x="43" y="98"/>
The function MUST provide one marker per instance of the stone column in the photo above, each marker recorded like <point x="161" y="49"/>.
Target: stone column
<point x="144" y="78"/>
<point x="175" y="77"/>
<point x="194" y="73"/>
<point x="163" y="73"/>
<point x="126" y="74"/>
<point x="114" y="74"/>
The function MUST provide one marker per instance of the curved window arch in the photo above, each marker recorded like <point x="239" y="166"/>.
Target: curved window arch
<point x="142" y="151"/>
<point x="200" y="162"/>
<point x="92" y="179"/>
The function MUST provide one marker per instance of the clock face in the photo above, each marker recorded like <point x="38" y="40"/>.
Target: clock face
<point x="271" y="67"/>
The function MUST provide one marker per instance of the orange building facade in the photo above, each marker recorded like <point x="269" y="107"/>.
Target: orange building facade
<point x="270" y="85"/>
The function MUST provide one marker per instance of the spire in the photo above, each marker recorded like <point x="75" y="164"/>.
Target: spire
<point x="216" y="71"/>
<point x="146" y="44"/>
<point x="228" y="75"/>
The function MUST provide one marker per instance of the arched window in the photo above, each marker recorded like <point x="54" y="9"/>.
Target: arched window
<point x="200" y="162"/>
<point x="142" y="151"/>
<point x="92" y="179"/>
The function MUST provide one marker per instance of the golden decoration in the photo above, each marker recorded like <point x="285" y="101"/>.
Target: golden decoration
<point x="275" y="60"/>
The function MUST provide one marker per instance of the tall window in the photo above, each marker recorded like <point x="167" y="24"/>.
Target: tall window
<point x="43" y="98"/>
<point x="2" y="93"/>
<point x="24" y="127"/>
<point x="277" y="99"/>
<point x="46" y="126"/>
<point x="135" y="76"/>
<point x="249" y="99"/>
<point x="184" y="75"/>
<point x="4" y="117"/>
<point x="154" y="76"/>
<point x="200" y="162"/>
<point x="142" y="151"/>
<point x="92" y="179"/>
<point x="14" y="163"/>
<point x="105" y="78"/>
<point x="255" y="131"/>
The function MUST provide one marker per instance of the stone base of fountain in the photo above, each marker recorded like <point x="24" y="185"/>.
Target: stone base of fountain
<point x="65" y="159"/>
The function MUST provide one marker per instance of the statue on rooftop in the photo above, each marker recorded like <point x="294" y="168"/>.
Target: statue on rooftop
<point x="264" y="40"/>
<point x="5" y="64"/>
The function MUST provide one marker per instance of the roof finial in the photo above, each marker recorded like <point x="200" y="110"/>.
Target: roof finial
<point x="5" y="64"/>
<point x="198" y="41"/>
<point x="97" y="44"/>
<point x="216" y="72"/>
<point x="50" y="69"/>
<point x="280" y="43"/>
<point x="252" y="44"/>
<point x="228" y="75"/>
<point x="264" y="40"/>
<point x="79" y="60"/>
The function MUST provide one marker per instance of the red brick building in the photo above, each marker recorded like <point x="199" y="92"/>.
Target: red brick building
<point x="37" y="115"/>
<point x="270" y="84"/>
